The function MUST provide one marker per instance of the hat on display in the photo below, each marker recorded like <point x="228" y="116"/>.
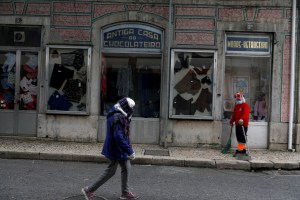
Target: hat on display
<point x="55" y="54"/>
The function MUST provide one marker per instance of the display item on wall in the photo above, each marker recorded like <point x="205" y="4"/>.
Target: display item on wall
<point x="58" y="101"/>
<point x="189" y="83"/>
<point x="9" y="62"/>
<point x="75" y="59"/>
<point x="241" y="84"/>
<point x="32" y="60"/>
<point x="74" y="89"/>
<point x="59" y="74"/>
<point x="192" y="92"/>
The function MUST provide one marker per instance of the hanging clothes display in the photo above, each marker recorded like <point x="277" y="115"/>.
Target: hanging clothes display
<point x="260" y="108"/>
<point x="58" y="101"/>
<point x="59" y="74"/>
<point x="189" y="83"/>
<point x="9" y="62"/>
<point x="75" y="59"/>
<point x="103" y="77"/>
<point x="183" y="106"/>
<point x="204" y="101"/>
<point x="32" y="60"/>
<point x="74" y="89"/>
<point x="124" y="82"/>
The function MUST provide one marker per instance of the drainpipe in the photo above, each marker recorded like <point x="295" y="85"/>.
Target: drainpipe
<point x="166" y="128"/>
<point x="292" y="81"/>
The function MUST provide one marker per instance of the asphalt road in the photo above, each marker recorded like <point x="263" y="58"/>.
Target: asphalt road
<point x="58" y="180"/>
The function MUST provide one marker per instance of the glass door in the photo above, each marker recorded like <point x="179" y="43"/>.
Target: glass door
<point x="18" y="92"/>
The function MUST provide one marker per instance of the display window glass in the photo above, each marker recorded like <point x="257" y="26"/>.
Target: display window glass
<point x="19" y="80"/>
<point x="7" y="79"/>
<point x="252" y="77"/>
<point x="131" y="75"/>
<point x="67" y="79"/>
<point x="192" y="84"/>
<point x="28" y="81"/>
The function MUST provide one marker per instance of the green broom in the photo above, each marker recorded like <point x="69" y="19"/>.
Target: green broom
<point x="227" y="147"/>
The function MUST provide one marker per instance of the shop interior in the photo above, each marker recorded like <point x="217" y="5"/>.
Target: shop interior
<point x="252" y="76"/>
<point x="135" y="76"/>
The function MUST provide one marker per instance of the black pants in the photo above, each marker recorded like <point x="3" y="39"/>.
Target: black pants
<point x="240" y="134"/>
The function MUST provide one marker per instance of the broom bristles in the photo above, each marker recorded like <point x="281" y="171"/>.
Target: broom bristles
<point x="226" y="148"/>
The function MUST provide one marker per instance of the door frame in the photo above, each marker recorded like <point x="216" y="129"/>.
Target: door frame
<point x="21" y="122"/>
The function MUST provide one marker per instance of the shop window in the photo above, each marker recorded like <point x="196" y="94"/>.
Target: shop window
<point x="28" y="81"/>
<point x="248" y="70"/>
<point x="7" y="79"/>
<point x="192" y="84"/>
<point x="67" y="79"/>
<point x="24" y="76"/>
<point x="252" y="76"/>
<point x="131" y="75"/>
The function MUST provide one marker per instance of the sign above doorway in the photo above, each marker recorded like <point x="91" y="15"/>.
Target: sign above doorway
<point x="132" y="37"/>
<point x="248" y="44"/>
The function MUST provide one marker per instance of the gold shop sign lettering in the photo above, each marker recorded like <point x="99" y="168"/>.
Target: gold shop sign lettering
<point x="248" y="44"/>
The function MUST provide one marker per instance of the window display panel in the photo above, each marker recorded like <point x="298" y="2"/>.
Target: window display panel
<point x="134" y="76"/>
<point x="28" y="81"/>
<point x="68" y="69"/>
<point x="252" y="76"/>
<point x="7" y="78"/>
<point x="192" y="84"/>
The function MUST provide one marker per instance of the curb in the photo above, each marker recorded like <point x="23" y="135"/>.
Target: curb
<point x="166" y="161"/>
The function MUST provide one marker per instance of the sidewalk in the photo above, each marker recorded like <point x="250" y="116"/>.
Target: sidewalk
<point x="46" y="149"/>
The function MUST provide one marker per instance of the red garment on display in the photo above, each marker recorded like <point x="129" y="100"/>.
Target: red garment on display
<point x="241" y="111"/>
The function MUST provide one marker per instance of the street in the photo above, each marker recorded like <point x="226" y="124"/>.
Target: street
<point x="58" y="180"/>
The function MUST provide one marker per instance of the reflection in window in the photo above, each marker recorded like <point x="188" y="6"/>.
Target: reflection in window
<point x="251" y="75"/>
<point x="131" y="76"/>
<point x="192" y="92"/>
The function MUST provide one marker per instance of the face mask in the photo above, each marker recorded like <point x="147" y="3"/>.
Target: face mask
<point x="238" y="101"/>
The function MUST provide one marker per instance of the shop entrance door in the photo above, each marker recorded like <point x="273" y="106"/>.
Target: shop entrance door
<point x="18" y="92"/>
<point x="248" y="65"/>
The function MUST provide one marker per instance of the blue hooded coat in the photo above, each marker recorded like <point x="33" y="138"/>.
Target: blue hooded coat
<point x="117" y="145"/>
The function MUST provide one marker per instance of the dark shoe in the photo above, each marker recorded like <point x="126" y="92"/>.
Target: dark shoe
<point x="128" y="195"/>
<point x="236" y="153"/>
<point x="87" y="195"/>
<point x="243" y="151"/>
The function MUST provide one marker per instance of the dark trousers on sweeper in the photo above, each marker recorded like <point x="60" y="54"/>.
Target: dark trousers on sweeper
<point x="241" y="133"/>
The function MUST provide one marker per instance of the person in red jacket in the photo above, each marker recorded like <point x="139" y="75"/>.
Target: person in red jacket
<point x="241" y="119"/>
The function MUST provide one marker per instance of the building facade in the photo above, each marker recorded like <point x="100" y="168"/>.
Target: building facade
<point x="65" y="63"/>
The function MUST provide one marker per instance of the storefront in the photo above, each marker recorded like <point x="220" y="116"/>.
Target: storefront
<point x="131" y="62"/>
<point x="248" y="65"/>
<point x="20" y="48"/>
<point x="181" y="61"/>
